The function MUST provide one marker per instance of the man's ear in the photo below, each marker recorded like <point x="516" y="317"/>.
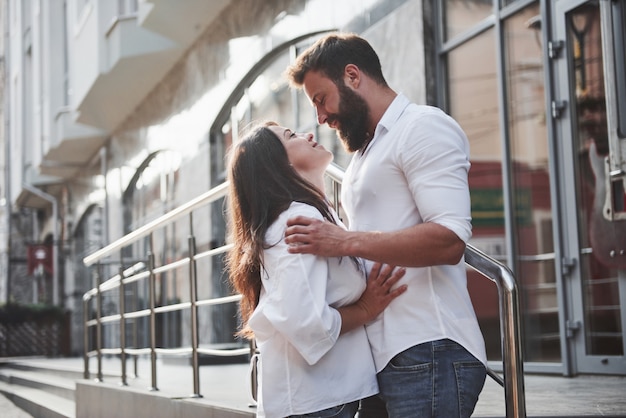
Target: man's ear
<point x="352" y="75"/>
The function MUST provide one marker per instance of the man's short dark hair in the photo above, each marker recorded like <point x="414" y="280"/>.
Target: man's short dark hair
<point x="330" y="55"/>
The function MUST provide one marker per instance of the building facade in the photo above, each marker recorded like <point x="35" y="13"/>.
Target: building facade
<point x="119" y="111"/>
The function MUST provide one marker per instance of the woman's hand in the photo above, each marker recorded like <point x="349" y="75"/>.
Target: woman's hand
<point x="378" y="294"/>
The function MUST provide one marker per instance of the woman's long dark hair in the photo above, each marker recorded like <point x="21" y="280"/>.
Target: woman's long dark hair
<point x="262" y="185"/>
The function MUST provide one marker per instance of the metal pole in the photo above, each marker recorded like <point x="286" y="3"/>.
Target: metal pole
<point x="99" y="322"/>
<point x="152" y="285"/>
<point x="135" y="330"/>
<point x="85" y="339"/>
<point x="509" y="328"/>
<point x="193" y="297"/>
<point x="254" y="372"/>
<point x="122" y="325"/>
<point x="336" y="195"/>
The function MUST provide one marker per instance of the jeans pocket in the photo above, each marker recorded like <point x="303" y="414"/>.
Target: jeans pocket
<point x="470" y="378"/>
<point x="406" y="385"/>
<point x="340" y="411"/>
<point x="414" y="359"/>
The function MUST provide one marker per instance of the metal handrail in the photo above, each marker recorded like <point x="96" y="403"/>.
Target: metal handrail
<point x="175" y="214"/>
<point x="510" y="330"/>
<point x="513" y="381"/>
<point x="148" y="270"/>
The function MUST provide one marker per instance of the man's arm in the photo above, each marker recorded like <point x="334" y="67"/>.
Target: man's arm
<point x="427" y="244"/>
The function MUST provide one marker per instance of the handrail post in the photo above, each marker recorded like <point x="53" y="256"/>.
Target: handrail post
<point x="336" y="194"/>
<point x="99" y="321"/>
<point x="512" y="348"/>
<point x="509" y="328"/>
<point x="152" y="290"/>
<point x="86" y="338"/>
<point x="122" y="324"/>
<point x="135" y="331"/>
<point x="193" y="297"/>
<point x="254" y="372"/>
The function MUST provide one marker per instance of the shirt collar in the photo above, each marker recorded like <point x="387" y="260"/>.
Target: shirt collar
<point x="393" y="112"/>
<point x="391" y="115"/>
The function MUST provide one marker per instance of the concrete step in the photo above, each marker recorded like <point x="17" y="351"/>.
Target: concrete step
<point x="41" y="389"/>
<point x="73" y="372"/>
<point x="57" y="388"/>
<point x="54" y="384"/>
<point x="38" y="402"/>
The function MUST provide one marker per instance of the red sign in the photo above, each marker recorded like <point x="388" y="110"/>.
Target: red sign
<point x="39" y="255"/>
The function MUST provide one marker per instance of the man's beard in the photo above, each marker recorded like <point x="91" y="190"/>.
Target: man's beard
<point x="352" y="119"/>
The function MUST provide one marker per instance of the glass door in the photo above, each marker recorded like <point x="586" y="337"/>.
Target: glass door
<point x="594" y="266"/>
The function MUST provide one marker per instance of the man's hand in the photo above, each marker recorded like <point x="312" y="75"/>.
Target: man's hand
<point x="422" y="245"/>
<point x="313" y="236"/>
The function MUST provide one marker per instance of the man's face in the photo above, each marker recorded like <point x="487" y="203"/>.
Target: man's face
<point x="340" y="108"/>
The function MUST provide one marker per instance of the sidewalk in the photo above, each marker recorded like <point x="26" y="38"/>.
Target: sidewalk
<point x="546" y="395"/>
<point x="227" y="385"/>
<point x="550" y="395"/>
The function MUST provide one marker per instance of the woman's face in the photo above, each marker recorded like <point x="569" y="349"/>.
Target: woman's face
<point x="305" y="155"/>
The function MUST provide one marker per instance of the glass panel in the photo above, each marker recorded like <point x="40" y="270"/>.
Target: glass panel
<point x="532" y="208"/>
<point x="474" y="104"/>
<point x="506" y="2"/>
<point x="461" y="15"/>
<point x="599" y="270"/>
<point x="269" y="95"/>
<point x="152" y="193"/>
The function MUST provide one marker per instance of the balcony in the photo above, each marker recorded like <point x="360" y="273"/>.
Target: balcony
<point x="75" y="148"/>
<point x="135" y="54"/>
<point x="117" y="60"/>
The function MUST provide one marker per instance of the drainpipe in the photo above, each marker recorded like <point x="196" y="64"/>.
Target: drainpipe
<point x="104" y="168"/>
<point x="55" y="239"/>
<point x="7" y="145"/>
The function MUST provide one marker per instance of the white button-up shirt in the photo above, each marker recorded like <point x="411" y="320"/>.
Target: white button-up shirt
<point x="305" y="365"/>
<point x="415" y="171"/>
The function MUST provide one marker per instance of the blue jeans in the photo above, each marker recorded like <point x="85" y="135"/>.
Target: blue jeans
<point x="372" y="407"/>
<point x="438" y="379"/>
<point x="341" y="411"/>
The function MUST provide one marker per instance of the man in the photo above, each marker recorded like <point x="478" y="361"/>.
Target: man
<point x="406" y="197"/>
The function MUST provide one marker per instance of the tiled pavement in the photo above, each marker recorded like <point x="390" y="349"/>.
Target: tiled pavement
<point x="546" y="395"/>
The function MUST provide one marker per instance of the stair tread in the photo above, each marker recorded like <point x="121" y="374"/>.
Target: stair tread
<point x="60" y="381"/>
<point x="41" y="398"/>
<point x="63" y="368"/>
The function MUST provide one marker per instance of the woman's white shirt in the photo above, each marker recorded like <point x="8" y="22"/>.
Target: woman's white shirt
<point x="305" y="365"/>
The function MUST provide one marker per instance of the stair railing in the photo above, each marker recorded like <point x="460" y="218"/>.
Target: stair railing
<point x="513" y="380"/>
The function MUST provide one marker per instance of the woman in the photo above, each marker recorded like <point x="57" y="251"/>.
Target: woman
<point x="305" y="312"/>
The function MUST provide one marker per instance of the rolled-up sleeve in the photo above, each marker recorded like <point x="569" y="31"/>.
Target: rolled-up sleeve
<point x="435" y="160"/>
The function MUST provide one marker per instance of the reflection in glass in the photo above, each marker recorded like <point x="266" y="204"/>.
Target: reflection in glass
<point x="151" y="194"/>
<point x="473" y="102"/>
<point x="506" y="2"/>
<point x="461" y="15"/>
<point x="531" y="203"/>
<point x="599" y="271"/>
